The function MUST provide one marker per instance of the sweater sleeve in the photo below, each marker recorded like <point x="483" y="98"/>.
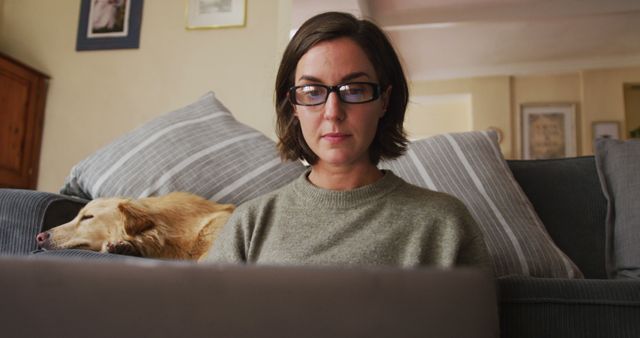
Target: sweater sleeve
<point x="229" y="247"/>
<point x="473" y="250"/>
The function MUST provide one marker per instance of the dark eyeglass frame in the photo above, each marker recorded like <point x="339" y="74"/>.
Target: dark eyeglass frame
<point x="376" y="93"/>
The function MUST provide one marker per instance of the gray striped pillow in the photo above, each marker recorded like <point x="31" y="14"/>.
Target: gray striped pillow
<point x="200" y="148"/>
<point x="470" y="166"/>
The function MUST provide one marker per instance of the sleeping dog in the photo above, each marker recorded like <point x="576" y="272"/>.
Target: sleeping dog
<point x="174" y="226"/>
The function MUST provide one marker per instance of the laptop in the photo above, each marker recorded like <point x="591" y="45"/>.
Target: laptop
<point x="64" y="297"/>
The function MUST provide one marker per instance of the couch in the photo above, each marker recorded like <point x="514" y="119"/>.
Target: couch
<point x="547" y="225"/>
<point x="566" y="193"/>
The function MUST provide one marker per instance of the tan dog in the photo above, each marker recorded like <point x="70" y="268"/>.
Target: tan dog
<point x="174" y="226"/>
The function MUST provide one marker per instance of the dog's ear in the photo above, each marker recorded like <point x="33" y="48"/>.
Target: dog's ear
<point x="136" y="218"/>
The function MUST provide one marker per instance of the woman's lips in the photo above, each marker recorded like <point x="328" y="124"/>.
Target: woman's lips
<point x="335" y="137"/>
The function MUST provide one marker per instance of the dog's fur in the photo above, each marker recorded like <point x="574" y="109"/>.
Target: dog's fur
<point x="174" y="226"/>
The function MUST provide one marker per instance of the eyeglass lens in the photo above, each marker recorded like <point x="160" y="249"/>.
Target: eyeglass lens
<point x="357" y="92"/>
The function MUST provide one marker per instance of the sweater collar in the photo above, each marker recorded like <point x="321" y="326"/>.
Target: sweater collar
<point x="320" y="197"/>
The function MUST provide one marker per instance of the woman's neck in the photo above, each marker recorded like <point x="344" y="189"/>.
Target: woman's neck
<point x="344" y="178"/>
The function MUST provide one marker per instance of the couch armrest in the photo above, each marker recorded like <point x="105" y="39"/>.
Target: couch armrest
<point x="547" y="307"/>
<point x="25" y="213"/>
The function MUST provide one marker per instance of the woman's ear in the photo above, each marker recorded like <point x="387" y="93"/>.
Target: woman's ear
<point x="294" y="108"/>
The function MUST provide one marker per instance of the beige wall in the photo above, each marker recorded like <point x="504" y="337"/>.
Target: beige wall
<point x="496" y="101"/>
<point x="490" y="101"/>
<point x="436" y="114"/>
<point x="562" y="88"/>
<point x="95" y="96"/>
<point x="603" y="98"/>
<point x="599" y="95"/>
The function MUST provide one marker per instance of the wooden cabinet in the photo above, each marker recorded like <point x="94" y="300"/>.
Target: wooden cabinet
<point x="22" y="99"/>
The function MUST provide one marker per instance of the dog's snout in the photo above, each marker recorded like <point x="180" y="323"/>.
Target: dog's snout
<point x="42" y="239"/>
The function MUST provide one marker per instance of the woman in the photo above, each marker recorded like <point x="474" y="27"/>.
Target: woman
<point x="341" y="97"/>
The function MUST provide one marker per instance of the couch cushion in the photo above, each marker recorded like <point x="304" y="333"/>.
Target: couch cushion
<point x="200" y="148"/>
<point x="470" y="166"/>
<point x="618" y="164"/>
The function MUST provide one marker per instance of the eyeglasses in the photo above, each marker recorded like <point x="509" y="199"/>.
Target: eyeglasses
<point x="316" y="94"/>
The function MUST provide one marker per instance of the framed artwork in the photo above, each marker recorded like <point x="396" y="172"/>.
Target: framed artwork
<point x="606" y="129"/>
<point x="207" y="14"/>
<point x="109" y="24"/>
<point x="548" y="130"/>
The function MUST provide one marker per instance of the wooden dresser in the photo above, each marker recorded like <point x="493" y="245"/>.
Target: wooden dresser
<point x="23" y="92"/>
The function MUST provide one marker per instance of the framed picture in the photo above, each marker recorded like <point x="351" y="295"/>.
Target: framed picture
<point x="109" y="24"/>
<point x="606" y="129"/>
<point x="548" y="130"/>
<point x="206" y="14"/>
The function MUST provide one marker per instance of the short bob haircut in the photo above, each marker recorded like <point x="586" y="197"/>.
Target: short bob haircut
<point x="390" y="140"/>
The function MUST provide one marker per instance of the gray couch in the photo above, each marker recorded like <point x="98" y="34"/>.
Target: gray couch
<point x="566" y="194"/>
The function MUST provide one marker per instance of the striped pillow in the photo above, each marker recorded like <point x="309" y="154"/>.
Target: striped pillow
<point x="470" y="166"/>
<point x="199" y="148"/>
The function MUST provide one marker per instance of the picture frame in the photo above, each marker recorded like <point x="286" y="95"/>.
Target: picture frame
<point x="606" y="129"/>
<point x="548" y="131"/>
<point x="213" y="14"/>
<point x="109" y="25"/>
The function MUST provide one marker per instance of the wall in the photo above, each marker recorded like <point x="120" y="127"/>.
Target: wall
<point x="490" y="102"/>
<point x="561" y="88"/>
<point x="1" y="19"/>
<point x="599" y="95"/>
<point x="496" y="101"/>
<point x="95" y="96"/>
<point x="436" y="114"/>
<point x="603" y="98"/>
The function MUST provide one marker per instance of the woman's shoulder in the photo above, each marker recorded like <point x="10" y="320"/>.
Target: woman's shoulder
<point x="268" y="200"/>
<point x="417" y="195"/>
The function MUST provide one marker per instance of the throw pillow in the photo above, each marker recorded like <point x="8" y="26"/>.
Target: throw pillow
<point x="618" y="164"/>
<point x="200" y="148"/>
<point x="471" y="167"/>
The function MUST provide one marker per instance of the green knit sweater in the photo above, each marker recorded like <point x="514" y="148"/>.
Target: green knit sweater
<point x="389" y="222"/>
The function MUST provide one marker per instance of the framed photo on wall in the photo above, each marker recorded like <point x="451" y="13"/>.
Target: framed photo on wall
<point x="109" y="24"/>
<point x="208" y="14"/>
<point x="548" y="130"/>
<point x="606" y="129"/>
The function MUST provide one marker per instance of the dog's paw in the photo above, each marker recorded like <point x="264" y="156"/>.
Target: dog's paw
<point x="122" y="248"/>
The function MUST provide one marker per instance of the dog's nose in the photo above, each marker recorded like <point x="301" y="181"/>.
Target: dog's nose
<point x="42" y="238"/>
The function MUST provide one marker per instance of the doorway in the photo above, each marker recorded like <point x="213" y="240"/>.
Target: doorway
<point x="632" y="110"/>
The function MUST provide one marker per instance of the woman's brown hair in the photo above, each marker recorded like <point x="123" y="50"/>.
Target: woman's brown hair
<point x="390" y="140"/>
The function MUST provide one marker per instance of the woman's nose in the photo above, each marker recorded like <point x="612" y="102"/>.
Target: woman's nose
<point x="334" y="108"/>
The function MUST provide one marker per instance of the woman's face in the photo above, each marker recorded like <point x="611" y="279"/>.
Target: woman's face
<point x="338" y="133"/>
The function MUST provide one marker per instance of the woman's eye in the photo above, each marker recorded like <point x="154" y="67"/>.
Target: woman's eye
<point x="311" y="91"/>
<point x="353" y="89"/>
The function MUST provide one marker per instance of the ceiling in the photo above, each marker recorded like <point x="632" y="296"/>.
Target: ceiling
<point x="443" y="39"/>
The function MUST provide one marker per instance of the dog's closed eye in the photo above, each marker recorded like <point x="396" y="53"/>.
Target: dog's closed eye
<point x="85" y="217"/>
